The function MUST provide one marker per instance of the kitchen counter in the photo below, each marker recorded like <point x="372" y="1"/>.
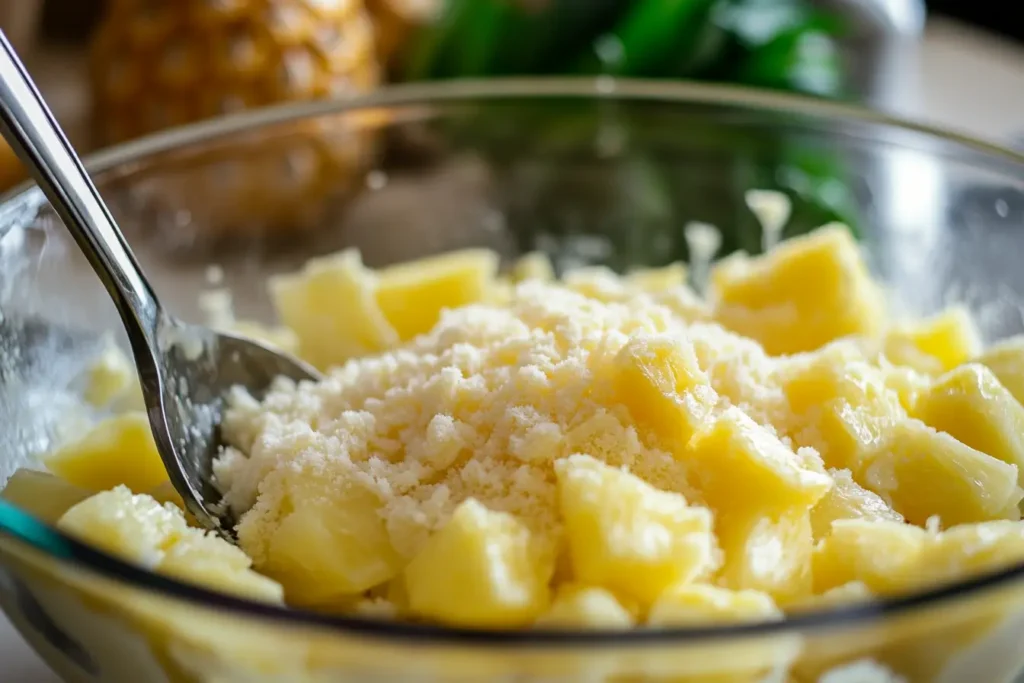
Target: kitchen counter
<point x="959" y="78"/>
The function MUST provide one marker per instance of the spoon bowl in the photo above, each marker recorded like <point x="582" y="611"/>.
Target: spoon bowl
<point x="186" y="370"/>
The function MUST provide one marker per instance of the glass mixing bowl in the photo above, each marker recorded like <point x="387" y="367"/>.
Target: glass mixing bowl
<point x="592" y="171"/>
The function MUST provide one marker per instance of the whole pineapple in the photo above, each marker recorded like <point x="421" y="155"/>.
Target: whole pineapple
<point x="162" y="63"/>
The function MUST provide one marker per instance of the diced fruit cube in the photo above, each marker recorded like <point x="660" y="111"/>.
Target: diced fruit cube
<point x="1006" y="361"/>
<point x="801" y="295"/>
<point x="118" y="450"/>
<point x="850" y="593"/>
<point x="597" y="282"/>
<point x="659" y="381"/>
<point x="412" y="295"/>
<point x="108" y="377"/>
<point x="908" y="384"/>
<point x="141" y="530"/>
<point x="970" y="404"/>
<point x="533" y="266"/>
<point x="332" y="545"/>
<point x="482" y="569"/>
<point x="741" y="465"/>
<point x="702" y="604"/>
<point x="134" y="527"/>
<point x="921" y="472"/>
<point x="849" y="500"/>
<point x="332" y="308"/>
<point x="768" y="554"/>
<point x="206" y="560"/>
<point x="839" y="404"/>
<point x="970" y="550"/>
<point x="936" y="344"/>
<point x="654" y="280"/>
<point x="590" y="607"/>
<point x="628" y="536"/>
<point x="44" y="495"/>
<point x="881" y="555"/>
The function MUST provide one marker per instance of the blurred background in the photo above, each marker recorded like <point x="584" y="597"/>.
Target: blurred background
<point x="117" y="69"/>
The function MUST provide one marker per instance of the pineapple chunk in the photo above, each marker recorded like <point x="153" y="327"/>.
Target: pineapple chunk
<point x="208" y="561"/>
<point x="840" y="404"/>
<point x="482" y="569"/>
<point x="801" y="295"/>
<point x="849" y="500"/>
<point x="144" y="532"/>
<point x="741" y="465"/>
<point x="936" y="344"/>
<point x="659" y="381"/>
<point x="118" y="450"/>
<point x="577" y="606"/>
<point x="109" y="377"/>
<point x="684" y="303"/>
<point x="44" y="495"/>
<point x="881" y="555"/>
<point x="970" y="550"/>
<point x="331" y="307"/>
<point x="134" y="527"/>
<point x="908" y="384"/>
<point x="412" y="295"/>
<point x="628" y="536"/>
<point x="701" y="605"/>
<point x="921" y="472"/>
<point x="970" y="404"/>
<point x="1006" y="361"/>
<point x="533" y="266"/>
<point x="656" y="280"/>
<point x="768" y="554"/>
<point x="332" y="546"/>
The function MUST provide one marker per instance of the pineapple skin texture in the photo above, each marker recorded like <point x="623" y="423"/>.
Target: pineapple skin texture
<point x="176" y="62"/>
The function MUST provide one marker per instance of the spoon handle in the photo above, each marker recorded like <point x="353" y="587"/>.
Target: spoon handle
<point x="30" y="128"/>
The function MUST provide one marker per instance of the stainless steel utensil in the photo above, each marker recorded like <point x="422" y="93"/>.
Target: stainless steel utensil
<point x="186" y="370"/>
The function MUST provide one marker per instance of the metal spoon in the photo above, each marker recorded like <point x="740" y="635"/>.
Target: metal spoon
<point x="186" y="370"/>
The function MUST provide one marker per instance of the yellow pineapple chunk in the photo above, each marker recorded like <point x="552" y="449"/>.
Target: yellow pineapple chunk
<point x="921" y="472"/>
<point x="659" y="381"/>
<point x="41" y="494"/>
<point x="881" y="555"/>
<point x="412" y="295"/>
<point x="109" y="377"/>
<point x="144" y="532"/>
<point x="331" y="307"/>
<point x="741" y="465"/>
<point x="628" y="536"/>
<point x="849" y="500"/>
<point x="207" y="560"/>
<point x="656" y="280"/>
<point x="134" y="527"/>
<point x="799" y="296"/>
<point x="766" y="553"/>
<point x="908" y="384"/>
<point x="970" y="550"/>
<point x="118" y="450"/>
<point x="702" y="605"/>
<point x="852" y="593"/>
<point x="533" y="266"/>
<point x="330" y="547"/>
<point x="936" y="344"/>
<point x="970" y="404"/>
<point x="590" y="607"/>
<point x="482" y="569"/>
<point x="1006" y="361"/>
<point x="840" y="404"/>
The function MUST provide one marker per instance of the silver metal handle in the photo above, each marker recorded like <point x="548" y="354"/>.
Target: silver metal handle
<point x="32" y="131"/>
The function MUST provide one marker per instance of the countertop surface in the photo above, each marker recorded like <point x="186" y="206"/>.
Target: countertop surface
<point x="958" y="78"/>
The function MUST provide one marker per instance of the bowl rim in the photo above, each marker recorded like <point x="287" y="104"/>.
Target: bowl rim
<point x="42" y="537"/>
